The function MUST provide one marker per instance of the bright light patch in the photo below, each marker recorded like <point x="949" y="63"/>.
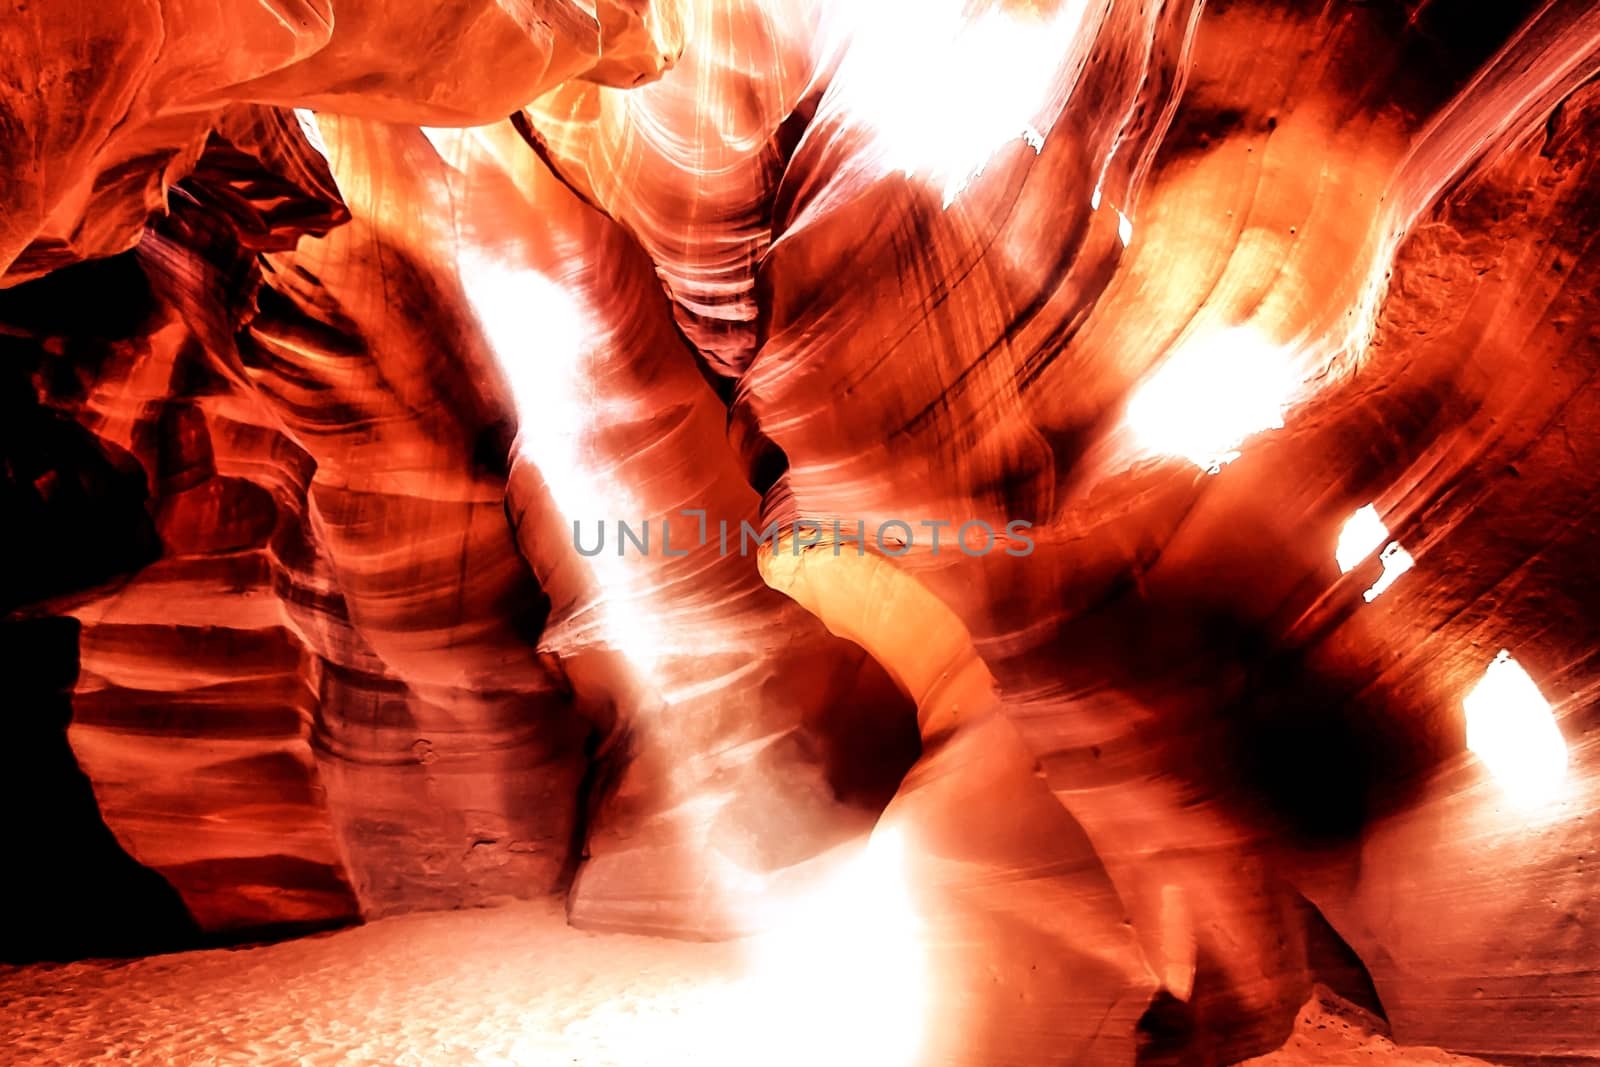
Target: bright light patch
<point x="1396" y="561"/>
<point x="841" y="979"/>
<point x="544" y="342"/>
<point x="1124" y="229"/>
<point x="307" y="120"/>
<point x="541" y="337"/>
<point x="1210" y="395"/>
<point x="1511" y="728"/>
<point x="943" y="87"/>
<point x="1362" y="534"/>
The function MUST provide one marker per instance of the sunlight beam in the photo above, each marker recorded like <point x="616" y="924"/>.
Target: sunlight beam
<point x="1211" y="394"/>
<point x="1511" y="728"/>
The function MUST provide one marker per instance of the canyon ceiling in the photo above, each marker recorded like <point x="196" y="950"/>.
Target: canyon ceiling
<point x="1262" y="337"/>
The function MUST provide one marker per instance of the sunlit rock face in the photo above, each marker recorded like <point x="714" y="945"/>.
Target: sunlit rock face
<point x="1063" y="529"/>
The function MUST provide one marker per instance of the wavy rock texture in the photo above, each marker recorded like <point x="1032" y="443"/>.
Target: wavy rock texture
<point x="336" y="334"/>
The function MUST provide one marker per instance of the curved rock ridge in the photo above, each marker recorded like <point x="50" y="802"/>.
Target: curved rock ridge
<point x="1239" y="352"/>
<point x="106" y="107"/>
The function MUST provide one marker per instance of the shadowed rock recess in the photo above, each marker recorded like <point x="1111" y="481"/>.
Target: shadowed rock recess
<point x="979" y="533"/>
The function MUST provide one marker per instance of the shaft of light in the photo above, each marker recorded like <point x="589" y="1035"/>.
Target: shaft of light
<point x="1511" y="727"/>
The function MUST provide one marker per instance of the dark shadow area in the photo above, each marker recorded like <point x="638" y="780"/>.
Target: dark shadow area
<point x="71" y="890"/>
<point x="75" y="517"/>
<point x="1298" y="741"/>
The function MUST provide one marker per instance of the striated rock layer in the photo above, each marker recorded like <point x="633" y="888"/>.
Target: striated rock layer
<point x="435" y="441"/>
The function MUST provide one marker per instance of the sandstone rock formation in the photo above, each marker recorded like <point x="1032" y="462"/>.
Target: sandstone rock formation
<point x="335" y="333"/>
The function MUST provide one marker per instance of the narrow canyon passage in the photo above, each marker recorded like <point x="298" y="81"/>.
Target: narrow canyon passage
<point x="882" y="532"/>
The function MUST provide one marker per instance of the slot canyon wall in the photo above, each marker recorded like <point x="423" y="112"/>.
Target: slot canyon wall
<point x="334" y="332"/>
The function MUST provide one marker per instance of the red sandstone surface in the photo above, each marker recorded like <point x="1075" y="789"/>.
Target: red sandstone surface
<point x="1262" y="337"/>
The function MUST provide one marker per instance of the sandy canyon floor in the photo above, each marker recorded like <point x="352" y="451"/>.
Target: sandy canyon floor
<point x="513" y="985"/>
